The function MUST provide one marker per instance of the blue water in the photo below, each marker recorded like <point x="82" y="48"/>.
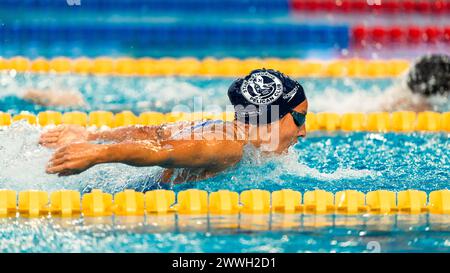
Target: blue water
<point x="329" y="161"/>
<point x="164" y="94"/>
<point x="305" y="234"/>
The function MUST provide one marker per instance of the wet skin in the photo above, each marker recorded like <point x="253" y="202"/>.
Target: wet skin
<point x="216" y="150"/>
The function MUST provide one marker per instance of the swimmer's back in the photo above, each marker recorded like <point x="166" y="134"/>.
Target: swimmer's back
<point x="208" y="129"/>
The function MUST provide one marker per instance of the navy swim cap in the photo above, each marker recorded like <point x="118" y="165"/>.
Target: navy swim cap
<point x="430" y="75"/>
<point x="264" y="96"/>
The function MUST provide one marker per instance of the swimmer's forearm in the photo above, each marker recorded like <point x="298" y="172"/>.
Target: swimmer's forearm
<point x="133" y="153"/>
<point x="174" y="154"/>
<point x="129" y="133"/>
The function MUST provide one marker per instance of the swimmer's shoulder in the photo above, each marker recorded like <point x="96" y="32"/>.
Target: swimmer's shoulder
<point x="222" y="130"/>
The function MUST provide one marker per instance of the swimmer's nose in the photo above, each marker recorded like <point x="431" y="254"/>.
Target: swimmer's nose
<point x="302" y="132"/>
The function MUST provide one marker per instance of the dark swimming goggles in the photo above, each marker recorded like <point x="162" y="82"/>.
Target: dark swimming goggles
<point x="299" y="118"/>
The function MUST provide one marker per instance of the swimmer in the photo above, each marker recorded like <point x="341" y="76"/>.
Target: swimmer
<point x="270" y="120"/>
<point x="426" y="81"/>
<point x="67" y="98"/>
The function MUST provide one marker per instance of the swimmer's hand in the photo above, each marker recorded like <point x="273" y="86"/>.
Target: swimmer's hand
<point x="55" y="98"/>
<point x="212" y="156"/>
<point x="63" y="135"/>
<point x="74" y="158"/>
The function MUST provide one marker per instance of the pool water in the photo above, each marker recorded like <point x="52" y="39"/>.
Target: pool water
<point x="330" y="161"/>
<point x="305" y="234"/>
<point x="139" y="94"/>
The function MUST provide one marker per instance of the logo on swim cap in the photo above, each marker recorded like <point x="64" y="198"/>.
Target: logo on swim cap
<point x="262" y="88"/>
<point x="291" y="94"/>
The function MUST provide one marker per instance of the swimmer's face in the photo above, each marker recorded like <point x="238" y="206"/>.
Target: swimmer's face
<point x="289" y="132"/>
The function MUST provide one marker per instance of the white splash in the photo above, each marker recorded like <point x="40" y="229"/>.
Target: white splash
<point x="23" y="162"/>
<point x="287" y="164"/>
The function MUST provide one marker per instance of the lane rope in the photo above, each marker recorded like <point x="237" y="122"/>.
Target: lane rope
<point x="401" y="121"/>
<point x="210" y="67"/>
<point x="34" y="203"/>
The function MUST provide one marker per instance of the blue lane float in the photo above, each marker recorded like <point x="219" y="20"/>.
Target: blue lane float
<point x="165" y="39"/>
<point x="269" y="7"/>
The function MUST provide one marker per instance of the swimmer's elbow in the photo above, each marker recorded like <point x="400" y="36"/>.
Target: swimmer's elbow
<point x="221" y="154"/>
<point x="202" y="154"/>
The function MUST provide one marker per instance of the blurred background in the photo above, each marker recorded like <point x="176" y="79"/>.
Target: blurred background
<point x="132" y="58"/>
<point x="319" y="29"/>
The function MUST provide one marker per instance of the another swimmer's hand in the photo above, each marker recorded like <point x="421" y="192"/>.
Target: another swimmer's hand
<point x="55" y="98"/>
<point x="75" y="158"/>
<point x="63" y="135"/>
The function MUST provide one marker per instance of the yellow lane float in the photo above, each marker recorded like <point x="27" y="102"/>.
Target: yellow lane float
<point x="49" y="118"/>
<point x="7" y="202"/>
<point x="381" y="201"/>
<point x="65" y="203"/>
<point x="192" y="201"/>
<point x="101" y="118"/>
<point x="223" y="202"/>
<point x="226" y="67"/>
<point x="70" y="203"/>
<point x="128" y="203"/>
<point x="75" y="118"/>
<point x="30" y="118"/>
<point x="97" y="203"/>
<point x="5" y="119"/>
<point x="159" y="201"/>
<point x="255" y="201"/>
<point x="33" y="203"/>
<point x="401" y="121"/>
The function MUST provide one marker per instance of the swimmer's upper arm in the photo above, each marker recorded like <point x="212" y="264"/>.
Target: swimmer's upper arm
<point x="203" y="153"/>
<point x="212" y="154"/>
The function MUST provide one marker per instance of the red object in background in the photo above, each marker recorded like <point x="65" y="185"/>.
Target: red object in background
<point x="438" y="6"/>
<point x="359" y="34"/>
<point x="423" y="6"/>
<point x="414" y="34"/>
<point x="400" y="34"/>
<point x="446" y="35"/>
<point x="311" y="5"/>
<point x="390" y="6"/>
<point x="358" y="6"/>
<point x="325" y="5"/>
<point x="408" y="6"/>
<point x="378" y="34"/>
<point x="375" y="8"/>
<point x="297" y="5"/>
<point x="432" y="34"/>
<point x="344" y="6"/>
<point x="305" y="5"/>
<point x="397" y="34"/>
<point x="363" y="6"/>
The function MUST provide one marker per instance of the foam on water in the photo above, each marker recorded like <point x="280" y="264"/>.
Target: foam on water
<point x="289" y="164"/>
<point x="23" y="163"/>
<point x="359" y="161"/>
<point x="115" y="94"/>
